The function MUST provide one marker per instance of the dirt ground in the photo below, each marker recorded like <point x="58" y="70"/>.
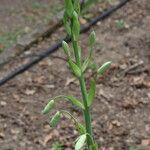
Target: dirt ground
<point x="19" y="17"/>
<point x="121" y="111"/>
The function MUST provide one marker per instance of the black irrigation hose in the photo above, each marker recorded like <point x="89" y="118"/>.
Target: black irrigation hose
<point x="48" y="51"/>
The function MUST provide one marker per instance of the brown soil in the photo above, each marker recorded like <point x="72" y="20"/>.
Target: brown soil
<point x="19" y="17"/>
<point x="121" y="111"/>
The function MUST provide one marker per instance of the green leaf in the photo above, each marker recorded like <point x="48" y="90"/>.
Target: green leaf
<point x="76" y="70"/>
<point x="75" y="27"/>
<point x="56" y="118"/>
<point x="91" y="94"/>
<point x="75" y="102"/>
<point x="86" y="64"/>
<point x="66" y="48"/>
<point x="48" y="107"/>
<point x="92" y="38"/>
<point x="66" y="22"/>
<point x="80" y="142"/>
<point x="94" y="147"/>
<point x="81" y="129"/>
<point x="104" y="67"/>
<point x="69" y="7"/>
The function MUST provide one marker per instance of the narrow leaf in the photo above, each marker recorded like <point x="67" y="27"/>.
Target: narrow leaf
<point x="48" y="107"/>
<point x="56" y="118"/>
<point x="75" y="102"/>
<point x="76" y="70"/>
<point x="66" y="22"/>
<point x="86" y="64"/>
<point x="104" y="67"/>
<point x="80" y="142"/>
<point x="91" y="94"/>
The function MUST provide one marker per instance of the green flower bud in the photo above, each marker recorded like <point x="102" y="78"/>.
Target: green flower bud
<point x="69" y="7"/>
<point x="104" y="67"/>
<point x="92" y="38"/>
<point x="76" y="70"/>
<point x="66" y="48"/>
<point x="76" y="26"/>
<point x="77" y="6"/>
<point x="55" y="119"/>
<point x="48" y="107"/>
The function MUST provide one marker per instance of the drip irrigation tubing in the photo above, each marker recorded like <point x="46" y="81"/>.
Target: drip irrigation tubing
<point x="50" y="50"/>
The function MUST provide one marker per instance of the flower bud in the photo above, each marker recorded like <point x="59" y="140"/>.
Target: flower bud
<point x="92" y="38"/>
<point x="56" y="118"/>
<point x="76" y="26"/>
<point x="104" y="67"/>
<point x="66" y="48"/>
<point x="48" y="107"/>
<point x="69" y="7"/>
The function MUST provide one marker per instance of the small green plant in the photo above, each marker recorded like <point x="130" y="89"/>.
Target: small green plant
<point x="132" y="148"/>
<point x="87" y="4"/>
<point x="78" y="67"/>
<point x="57" y="146"/>
<point x="7" y="39"/>
<point x="120" y="24"/>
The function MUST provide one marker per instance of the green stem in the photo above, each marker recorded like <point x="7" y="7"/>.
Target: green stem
<point x="72" y="117"/>
<point x="86" y="112"/>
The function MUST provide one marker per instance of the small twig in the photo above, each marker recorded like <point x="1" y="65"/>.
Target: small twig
<point x="138" y="71"/>
<point x="58" y="57"/>
<point x="132" y="67"/>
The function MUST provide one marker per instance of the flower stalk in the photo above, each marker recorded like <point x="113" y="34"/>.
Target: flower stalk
<point x="78" y="67"/>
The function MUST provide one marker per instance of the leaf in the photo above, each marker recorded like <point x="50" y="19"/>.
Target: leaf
<point x="75" y="101"/>
<point x="91" y="94"/>
<point x="66" y="22"/>
<point x="104" y="67"/>
<point x="76" y="70"/>
<point x="48" y="107"/>
<point x="80" y="142"/>
<point x="81" y="129"/>
<point x="56" y="118"/>
<point x="85" y="64"/>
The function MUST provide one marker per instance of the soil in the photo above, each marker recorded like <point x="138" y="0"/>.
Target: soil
<point x="121" y="110"/>
<point x="19" y="17"/>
